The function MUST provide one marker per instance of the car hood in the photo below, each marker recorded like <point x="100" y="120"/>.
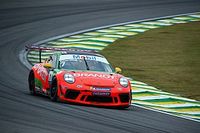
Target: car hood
<point x="97" y="78"/>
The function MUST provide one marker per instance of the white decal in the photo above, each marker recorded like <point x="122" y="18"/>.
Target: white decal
<point x="84" y="56"/>
<point x="41" y="71"/>
<point x="93" y="75"/>
<point x="50" y="76"/>
<point x="79" y="57"/>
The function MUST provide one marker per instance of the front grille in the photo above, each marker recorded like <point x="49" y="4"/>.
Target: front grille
<point x="83" y="97"/>
<point x="124" y="98"/>
<point x="99" y="99"/>
<point x="72" y="94"/>
<point x="116" y="100"/>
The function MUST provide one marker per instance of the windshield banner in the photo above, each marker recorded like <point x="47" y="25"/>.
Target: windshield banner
<point x="79" y="57"/>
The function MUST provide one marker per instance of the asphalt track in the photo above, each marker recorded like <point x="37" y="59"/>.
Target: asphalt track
<point x="25" y="22"/>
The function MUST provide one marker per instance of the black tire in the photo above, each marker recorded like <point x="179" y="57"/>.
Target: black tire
<point x="124" y="107"/>
<point x="54" y="91"/>
<point x="31" y="82"/>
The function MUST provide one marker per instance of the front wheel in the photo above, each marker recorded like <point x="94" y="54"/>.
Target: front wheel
<point x="54" y="91"/>
<point x="31" y="82"/>
<point x="124" y="107"/>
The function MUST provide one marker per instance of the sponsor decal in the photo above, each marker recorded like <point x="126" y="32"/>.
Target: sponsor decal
<point x="93" y="75"/>
<point x="84" y="56"/>
<point x="101" y="93"/>
<point x="101" y="89"/>
<point x="120" y="89"/>
<point x="41" y="71"/>
<point x="75" y="57"/>
<point x="79" y="86"/>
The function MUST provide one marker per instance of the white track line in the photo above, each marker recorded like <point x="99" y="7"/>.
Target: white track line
<point x="188" y="118"/>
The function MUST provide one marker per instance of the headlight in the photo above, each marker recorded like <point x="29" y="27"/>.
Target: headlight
<point x="123" y="82"/>
<point x="69" y="78"/>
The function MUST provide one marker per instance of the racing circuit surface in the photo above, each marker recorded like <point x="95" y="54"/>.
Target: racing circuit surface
<point x="25" y="22"/>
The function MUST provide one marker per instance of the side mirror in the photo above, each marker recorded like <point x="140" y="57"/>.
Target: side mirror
<point x="118" y="70"/>
<point x="47" y="65"/>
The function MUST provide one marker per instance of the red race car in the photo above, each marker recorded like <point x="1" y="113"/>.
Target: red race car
<point x="79" y="76"/>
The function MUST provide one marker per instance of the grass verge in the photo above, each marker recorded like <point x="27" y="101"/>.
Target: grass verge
<point x="167" y="58"/>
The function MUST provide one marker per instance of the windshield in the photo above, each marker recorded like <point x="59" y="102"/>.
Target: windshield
<point x="85" y="62"/>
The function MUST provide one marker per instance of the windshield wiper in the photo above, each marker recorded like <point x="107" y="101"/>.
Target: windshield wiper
<point x="86" y="63"/>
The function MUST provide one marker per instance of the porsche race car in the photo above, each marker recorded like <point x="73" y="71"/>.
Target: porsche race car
<point x="79" y="76"/>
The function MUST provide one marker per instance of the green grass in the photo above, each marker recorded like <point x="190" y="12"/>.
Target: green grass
<point x="167" y="58"/>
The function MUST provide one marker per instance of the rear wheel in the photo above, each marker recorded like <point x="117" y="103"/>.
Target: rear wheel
<point x="54" y="91"/>
<point x="31" y="81"/>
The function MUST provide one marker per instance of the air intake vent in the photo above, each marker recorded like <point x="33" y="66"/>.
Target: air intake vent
<point x="124" y="98"/>
<point x="72" y="94"/>
<point x="99" y="99"/>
